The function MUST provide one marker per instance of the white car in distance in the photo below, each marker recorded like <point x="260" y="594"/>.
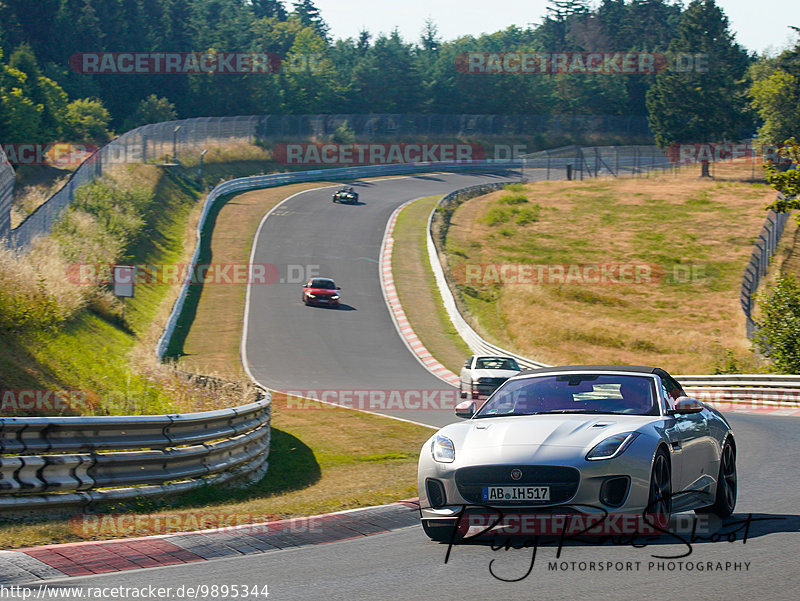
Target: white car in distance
<point x="483" y="374"/>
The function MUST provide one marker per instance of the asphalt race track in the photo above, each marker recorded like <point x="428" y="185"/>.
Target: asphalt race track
<point x="404" y="564"/>
<point x="293" y="347"/>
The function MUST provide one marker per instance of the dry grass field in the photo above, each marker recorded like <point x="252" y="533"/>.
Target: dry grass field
<point x="689" y="239"/>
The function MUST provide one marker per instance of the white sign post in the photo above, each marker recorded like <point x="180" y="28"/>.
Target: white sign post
<point x="124" y="276"/>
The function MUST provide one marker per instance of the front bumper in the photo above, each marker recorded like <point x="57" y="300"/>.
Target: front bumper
<point x="323" y="302"/>
<point x="577" y="485"/>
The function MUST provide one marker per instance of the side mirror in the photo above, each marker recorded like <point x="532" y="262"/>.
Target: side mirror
<point x="685" y="405"/>
<point x="338" y="287"/>
<point x="465" y="409"/>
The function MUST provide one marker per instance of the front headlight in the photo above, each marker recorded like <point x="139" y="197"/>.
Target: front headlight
<point x="611" y="446"/>
<point x="443" y="449"/>
<point x="335" y="297"/>
<point x="485" y="380"/>
<point x="312" y="296"/>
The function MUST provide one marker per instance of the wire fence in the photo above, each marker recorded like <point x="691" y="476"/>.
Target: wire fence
<point x="388" y="125"/>
<point x="764" y="249"/>
<point x="146" y="144"/>
<point x="576" y="162"/>
<point x="6" y="194"/>
<point x="166" y="141"/>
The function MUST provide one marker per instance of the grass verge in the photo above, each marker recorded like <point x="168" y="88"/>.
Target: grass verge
<point x="694" y="235"/>
<point x="417" y="289"/>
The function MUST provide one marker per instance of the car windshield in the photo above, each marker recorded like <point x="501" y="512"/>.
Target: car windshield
<point x="324" y="284"/>
<point x="573" y="393"/>
<point x="496" y="363"/>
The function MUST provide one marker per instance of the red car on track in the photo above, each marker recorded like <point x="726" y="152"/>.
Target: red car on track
<point x="321" y="291"/>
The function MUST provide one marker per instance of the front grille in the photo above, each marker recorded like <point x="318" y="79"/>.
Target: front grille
<point x="563" y="482"/>
<point x="492" y="381"/>
<point x="487" y="388"/>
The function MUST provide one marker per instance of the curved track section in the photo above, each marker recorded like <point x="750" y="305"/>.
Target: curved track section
<point x="356" y="348"/>
<point x="293" y="347"/>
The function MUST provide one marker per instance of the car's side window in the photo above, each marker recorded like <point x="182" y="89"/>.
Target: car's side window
<point x="667" y="401"/>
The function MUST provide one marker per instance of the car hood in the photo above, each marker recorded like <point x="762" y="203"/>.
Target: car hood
<point x="321" y="291"/>
<point x="494" y="373"/>
<point x="501" y="435"/>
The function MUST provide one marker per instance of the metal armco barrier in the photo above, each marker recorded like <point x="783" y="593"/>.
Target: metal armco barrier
<point x="138" y="455"/>
<point x="775" y="397"/>
<point x="764" y="249"/>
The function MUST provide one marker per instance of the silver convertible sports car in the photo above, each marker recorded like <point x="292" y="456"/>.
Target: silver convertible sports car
<point x="579" y="441"/>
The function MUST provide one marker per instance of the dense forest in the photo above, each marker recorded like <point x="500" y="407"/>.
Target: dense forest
<point x="43" y="98"/>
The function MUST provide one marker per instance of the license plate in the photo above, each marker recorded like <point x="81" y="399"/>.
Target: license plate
<point x="516" y="493"/>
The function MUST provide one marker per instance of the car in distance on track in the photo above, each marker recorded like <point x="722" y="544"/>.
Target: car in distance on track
<point x="346" y="194"/>
<point x="321" y="291"/>
<point x="577" y="441"/>
<point x="482" y="374"/>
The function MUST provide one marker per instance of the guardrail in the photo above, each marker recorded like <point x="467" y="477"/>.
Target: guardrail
<point x="764" y="249"/>
<point x="732" y="380"/>
<point x="137" y="455"/>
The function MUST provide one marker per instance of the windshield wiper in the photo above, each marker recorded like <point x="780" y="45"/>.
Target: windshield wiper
<point x="504" y="414"/>
<point x="581" y="411"/>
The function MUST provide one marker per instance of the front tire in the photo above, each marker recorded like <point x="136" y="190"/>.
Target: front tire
<point x="725" y="499"/>
<point x="660" y="499"/>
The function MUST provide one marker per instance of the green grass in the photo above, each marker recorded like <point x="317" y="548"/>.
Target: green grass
<point x="91" y="351"/>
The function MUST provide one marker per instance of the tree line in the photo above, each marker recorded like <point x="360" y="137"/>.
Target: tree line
<point x="43" y="99"/>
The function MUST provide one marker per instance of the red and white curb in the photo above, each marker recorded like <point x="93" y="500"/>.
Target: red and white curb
<point x="27" y="565"/>
<point x="401" y="322"/>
